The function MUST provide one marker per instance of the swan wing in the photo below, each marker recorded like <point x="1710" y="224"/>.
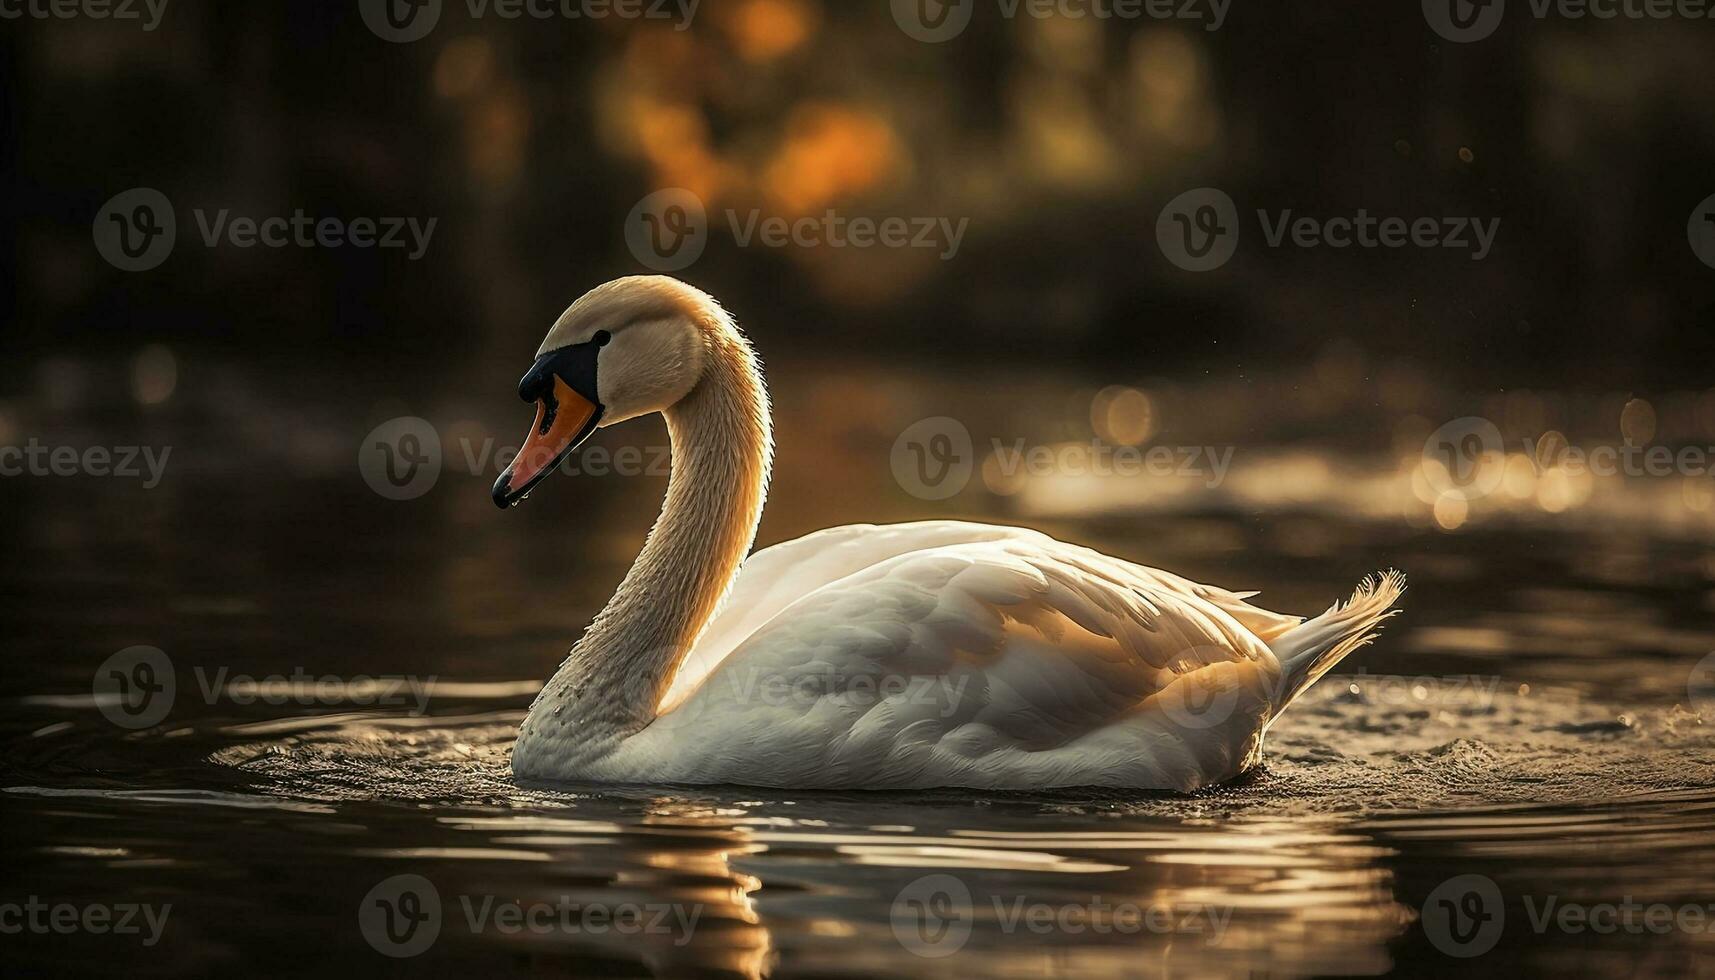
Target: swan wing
<point x="1012" y="660"/>
<point x="775" y="577"/>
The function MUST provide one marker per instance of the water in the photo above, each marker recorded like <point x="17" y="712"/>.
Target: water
<point x="1527" y="719"/>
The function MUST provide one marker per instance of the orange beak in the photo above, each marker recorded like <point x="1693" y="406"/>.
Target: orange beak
<point x="564" y="419"/>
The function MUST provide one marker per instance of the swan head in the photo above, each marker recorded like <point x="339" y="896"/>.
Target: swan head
<point x="624" y="349"/>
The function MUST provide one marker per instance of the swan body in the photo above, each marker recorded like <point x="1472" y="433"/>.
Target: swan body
<point x="933" y="654"/>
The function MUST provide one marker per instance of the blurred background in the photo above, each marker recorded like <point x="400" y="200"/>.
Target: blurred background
<point x="1059" y="139"/>
<point x="1325" y="378"/>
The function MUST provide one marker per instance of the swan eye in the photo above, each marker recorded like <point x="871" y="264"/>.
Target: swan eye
<point x="601" y="338"/>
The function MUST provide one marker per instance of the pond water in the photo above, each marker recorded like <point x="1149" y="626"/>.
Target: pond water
<point x="1522" y="767"/>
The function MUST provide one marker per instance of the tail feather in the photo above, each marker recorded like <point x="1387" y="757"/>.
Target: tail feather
<point x="1311" y="650"/>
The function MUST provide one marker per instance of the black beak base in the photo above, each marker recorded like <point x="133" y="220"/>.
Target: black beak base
<point x="575" y="366"/>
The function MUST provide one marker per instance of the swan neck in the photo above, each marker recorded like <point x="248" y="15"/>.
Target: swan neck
<point x="722" y="445"/>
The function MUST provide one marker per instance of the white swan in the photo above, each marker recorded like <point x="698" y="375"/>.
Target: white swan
<point x="936" y="654"/>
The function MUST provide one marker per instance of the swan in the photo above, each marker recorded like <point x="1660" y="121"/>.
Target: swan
<point x="932" y="654"/>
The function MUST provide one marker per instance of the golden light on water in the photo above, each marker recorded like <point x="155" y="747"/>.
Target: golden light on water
<point x="763" y="30"/>
<point x="1451" y="511"/>
<point x="154" y="375"/>
<point x="1637" y="422"/>
<point x="463" y="67"/>
<point x="1519" y="481"/>
<point x="1122" y="415"/>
